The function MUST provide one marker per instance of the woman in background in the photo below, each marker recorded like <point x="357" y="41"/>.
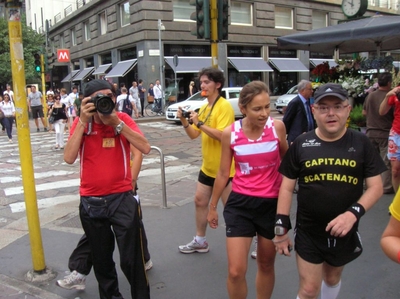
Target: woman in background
<point x="8" y="109"/>
<point x="50" y="103"/>
<point x="59" y="112"/>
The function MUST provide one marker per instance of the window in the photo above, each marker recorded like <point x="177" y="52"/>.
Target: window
<point x="241" y="13"/>
<point x="283" y="17"/>
<point x="125" y="14"/>
<point x="73" y="37"/>
<point x="103" y="23"/>
<point x="319" y="19"/>
<point x="182" y="10"/>
<point x="62" y="41"/>
<point x="86" y="29"/>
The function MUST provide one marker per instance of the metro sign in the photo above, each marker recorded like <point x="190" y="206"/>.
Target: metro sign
<point x="63" y="55"/>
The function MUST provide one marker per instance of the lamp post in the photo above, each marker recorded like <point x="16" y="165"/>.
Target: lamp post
<point x="161" y="54"/>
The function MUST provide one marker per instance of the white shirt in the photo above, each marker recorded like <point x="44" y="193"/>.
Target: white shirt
<point x="7" y="108"/>
<point x="72" y="97"/>
<point x="157" y="89"/>
<point x="120" y="100"/>
<point x="65" y="100"/>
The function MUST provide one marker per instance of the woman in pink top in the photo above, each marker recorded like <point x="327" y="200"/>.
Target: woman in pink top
<point x="257" y="143"/>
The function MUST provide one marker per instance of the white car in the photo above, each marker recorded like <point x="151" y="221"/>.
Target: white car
<point x="196" y="101"/>
<point x="284" y="100"/>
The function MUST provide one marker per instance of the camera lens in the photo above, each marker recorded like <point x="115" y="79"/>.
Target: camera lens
<point x="105" y="105"/>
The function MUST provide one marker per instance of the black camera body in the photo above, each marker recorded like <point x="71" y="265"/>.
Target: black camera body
<point x="185" y="113"/>
<point x="102" y="103"/>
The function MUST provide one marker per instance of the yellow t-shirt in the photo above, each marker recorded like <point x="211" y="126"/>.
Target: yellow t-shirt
<point x="221" y="116"/>
<point x="395" y="207"/>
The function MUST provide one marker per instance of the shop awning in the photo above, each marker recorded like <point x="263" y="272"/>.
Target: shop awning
<point x="250" y="64"/>
<point x="70" y="76"/>
<point x="315" y="62"/>
<point x="102" y="69"/>
<point x="122" y="68"/>
<point x="86" y="72"/>
<point x="189" y="64"/>
<point x="288" y="65"/>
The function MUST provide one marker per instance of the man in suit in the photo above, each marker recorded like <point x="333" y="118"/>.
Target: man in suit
<point x="298" y="118"/>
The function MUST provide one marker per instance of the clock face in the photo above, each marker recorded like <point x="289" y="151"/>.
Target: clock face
<point x="352" y="8"/>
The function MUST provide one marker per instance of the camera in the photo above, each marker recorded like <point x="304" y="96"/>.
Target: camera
<point x="185" y="113"/>
<point x="102" y="103"/>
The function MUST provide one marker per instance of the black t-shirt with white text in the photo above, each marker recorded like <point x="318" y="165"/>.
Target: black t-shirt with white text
<point x="330" y="175"/>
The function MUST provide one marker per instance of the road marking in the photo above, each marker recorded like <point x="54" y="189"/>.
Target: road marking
<point x="76" y="182"/>
<point x="44" y="203"/>
<point x="41" y="175"/>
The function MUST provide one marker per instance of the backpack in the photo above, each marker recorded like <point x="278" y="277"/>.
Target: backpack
<point x="127" y="106"/>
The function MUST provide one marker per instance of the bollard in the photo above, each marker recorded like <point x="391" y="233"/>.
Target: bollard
<point x="164" y="186"/>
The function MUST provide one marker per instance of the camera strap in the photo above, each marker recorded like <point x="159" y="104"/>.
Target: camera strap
<point x="212" y="107"/>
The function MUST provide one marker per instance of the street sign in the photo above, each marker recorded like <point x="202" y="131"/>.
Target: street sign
<point x="63" y="55"/>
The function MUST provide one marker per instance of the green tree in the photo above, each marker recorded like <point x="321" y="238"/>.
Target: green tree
<point x="32" y="41"/>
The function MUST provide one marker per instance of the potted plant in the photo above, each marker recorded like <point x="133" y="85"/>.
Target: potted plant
<point x="357" y="120"/>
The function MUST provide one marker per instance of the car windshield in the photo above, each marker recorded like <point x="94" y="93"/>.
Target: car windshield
<point x="293" y="90"/>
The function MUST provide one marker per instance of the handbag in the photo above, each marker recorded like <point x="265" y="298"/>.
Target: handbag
<point x="1" y="114"/>
<point x="51" y="119"/>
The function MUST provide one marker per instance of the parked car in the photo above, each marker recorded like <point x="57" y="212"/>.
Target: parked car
<point x="196" y="101"/>
<point x="284" y="100"/>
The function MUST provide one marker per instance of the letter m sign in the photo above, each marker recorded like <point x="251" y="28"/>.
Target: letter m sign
<point x="63" y="55"/>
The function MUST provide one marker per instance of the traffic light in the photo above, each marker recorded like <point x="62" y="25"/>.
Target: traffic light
<point x="223" y="14"/>
<point x="202" y="18"/>
<point x="38" y="63"/>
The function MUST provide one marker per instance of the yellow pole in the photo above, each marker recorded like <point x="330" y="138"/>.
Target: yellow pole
<point x="44" y="101"/>
<point x="24" y="140"/>
<point x="214" y="33"/>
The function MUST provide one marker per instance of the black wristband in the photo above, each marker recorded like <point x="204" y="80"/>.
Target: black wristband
<point x="283" y="220"/>
<point x="357" y="209"/>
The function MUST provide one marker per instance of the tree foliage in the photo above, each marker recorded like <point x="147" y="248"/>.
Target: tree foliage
<point x="32" y="41"/>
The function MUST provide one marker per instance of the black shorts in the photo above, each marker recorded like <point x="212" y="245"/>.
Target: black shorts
<point x="336" y="252"/>
<point x="247" y="215"/>
<point x="37" y="111"/>
<point x="207" y="180"/>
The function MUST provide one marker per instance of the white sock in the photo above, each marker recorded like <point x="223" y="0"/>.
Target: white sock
<point x="330" y="292"/>
<point x="297" y="297"/>
<point x="200" y="240"/>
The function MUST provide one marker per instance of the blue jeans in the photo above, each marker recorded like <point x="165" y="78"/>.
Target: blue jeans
<point x="8" y="123"/>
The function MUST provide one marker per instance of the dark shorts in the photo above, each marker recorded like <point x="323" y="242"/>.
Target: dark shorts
<point x="336" y="252"/>
<point x="247" y="215"/>
<point x="207" y="180"/>
<point x="37" y="111"/>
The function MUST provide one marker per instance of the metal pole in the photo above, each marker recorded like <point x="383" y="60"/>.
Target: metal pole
<point x="163" y="184"/>
<point x="24" y="141"/>
<point x="214" y="33"/>
<point x="161" y="54"/>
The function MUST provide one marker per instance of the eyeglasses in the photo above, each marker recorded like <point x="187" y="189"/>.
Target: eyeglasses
<point x="323" y="109"/>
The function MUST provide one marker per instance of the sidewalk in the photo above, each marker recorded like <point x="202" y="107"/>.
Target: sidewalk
<point x="176" y="275"/>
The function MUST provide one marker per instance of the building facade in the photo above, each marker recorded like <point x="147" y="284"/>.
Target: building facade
<point x="119" y="40"/>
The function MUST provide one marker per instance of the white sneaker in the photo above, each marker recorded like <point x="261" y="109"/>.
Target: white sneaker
<point x="193" y="246"/>
<point x="72" y="281"/>
<point x="148" y="265"/>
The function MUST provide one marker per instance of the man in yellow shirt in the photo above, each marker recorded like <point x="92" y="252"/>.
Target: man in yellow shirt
<point x="208" y="123"/>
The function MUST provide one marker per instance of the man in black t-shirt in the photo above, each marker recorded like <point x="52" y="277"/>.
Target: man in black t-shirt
<point x="330" y="164"/>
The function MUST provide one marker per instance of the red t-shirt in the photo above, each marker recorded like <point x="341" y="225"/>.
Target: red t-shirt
<point x="105" y="159"/>
<point x="393" y="101"/>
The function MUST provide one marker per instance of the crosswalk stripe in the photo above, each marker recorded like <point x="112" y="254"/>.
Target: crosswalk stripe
<point x="44" y="203"/>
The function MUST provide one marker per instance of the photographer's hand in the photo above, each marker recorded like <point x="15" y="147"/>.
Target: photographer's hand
<point x="86" y="110"/>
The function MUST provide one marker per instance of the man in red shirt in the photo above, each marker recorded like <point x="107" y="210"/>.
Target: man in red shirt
<point x="108" y="210"/>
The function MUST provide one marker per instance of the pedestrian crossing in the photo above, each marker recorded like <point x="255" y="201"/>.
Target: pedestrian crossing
<point x="57" y="182"/>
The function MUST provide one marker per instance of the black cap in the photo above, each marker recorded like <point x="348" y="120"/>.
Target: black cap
<point x="330" y="89"/>
<point x="95" y="85"/>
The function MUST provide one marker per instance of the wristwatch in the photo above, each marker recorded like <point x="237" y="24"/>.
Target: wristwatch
<point x="199" y="124"/>
<point x="119" y="128"/>
<point x="280" y="230"/>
